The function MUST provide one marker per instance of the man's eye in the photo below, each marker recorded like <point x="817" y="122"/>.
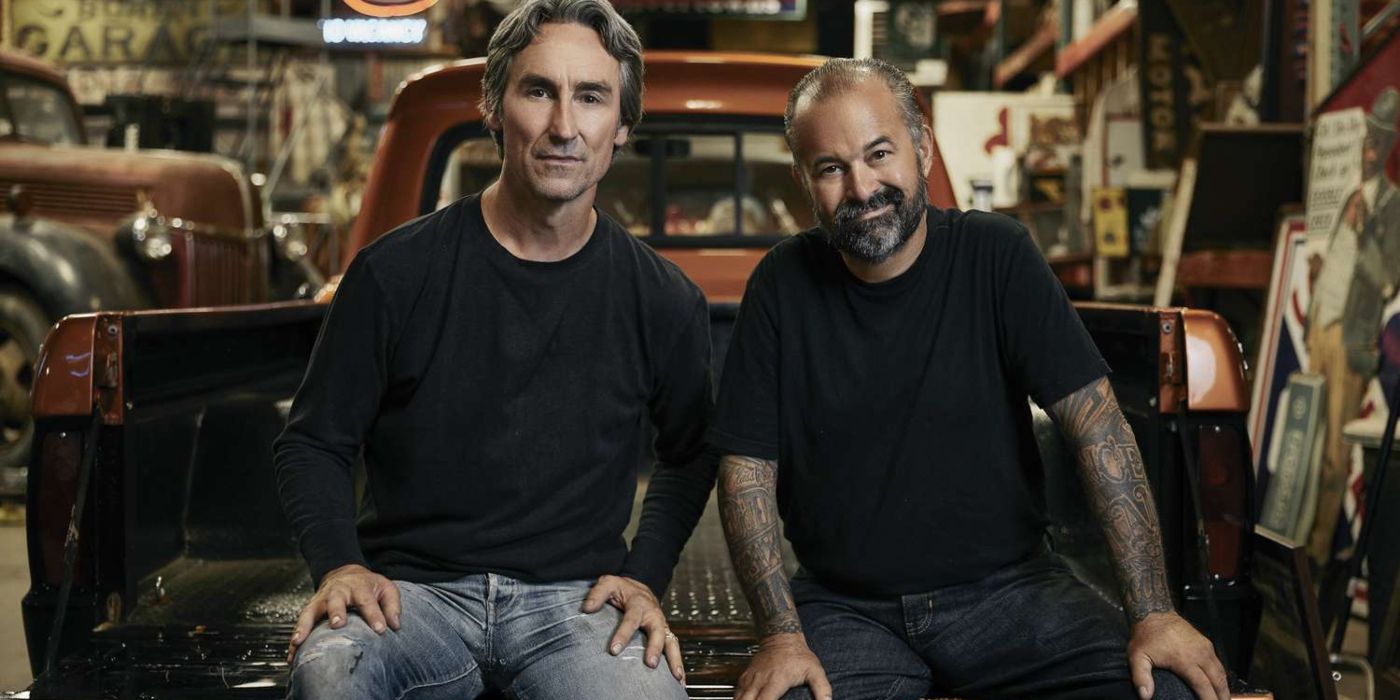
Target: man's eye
<point x="590" y="99"/>
<point x="829" y="170"/>
<point x="537" y="92"/>
<point x="880" y="154"/>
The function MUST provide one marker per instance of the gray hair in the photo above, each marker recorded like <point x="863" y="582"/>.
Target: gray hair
<point x="522" y="25"/>
<point x="841" y="74"/>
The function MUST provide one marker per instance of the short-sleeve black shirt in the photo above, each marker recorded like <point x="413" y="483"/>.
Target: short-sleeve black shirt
<point x="897" y="411"/>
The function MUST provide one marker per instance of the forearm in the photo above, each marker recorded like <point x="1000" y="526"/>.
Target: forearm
<point x="317" y="494"/>
<point x="749" y="509"/>
<point x="675" y="500"/>
<point x="1116" y="485"/>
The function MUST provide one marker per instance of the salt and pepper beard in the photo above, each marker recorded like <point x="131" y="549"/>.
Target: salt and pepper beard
<point x="875" y="240"/>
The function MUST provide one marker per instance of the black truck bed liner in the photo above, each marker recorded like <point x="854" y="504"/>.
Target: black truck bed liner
<point x="210" y="628"/>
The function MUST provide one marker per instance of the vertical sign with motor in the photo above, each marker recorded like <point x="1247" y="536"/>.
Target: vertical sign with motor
<point x="1172" y="83"/>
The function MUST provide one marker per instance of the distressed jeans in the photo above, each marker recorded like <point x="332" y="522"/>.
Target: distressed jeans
<point x="457" y="639"/>
<point x="1031" y="630"/>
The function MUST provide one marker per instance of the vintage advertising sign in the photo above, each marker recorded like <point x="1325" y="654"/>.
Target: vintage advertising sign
<point x="1174" y="88"/>
<point x="984" y="134"/>
<point x="95" y="32"/>
<point x="1335" y="170"/>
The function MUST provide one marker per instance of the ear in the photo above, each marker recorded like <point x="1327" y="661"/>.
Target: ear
<point x="492" y="122"/>
<point x="623" y="131"/>
<point x="926" y="148"/>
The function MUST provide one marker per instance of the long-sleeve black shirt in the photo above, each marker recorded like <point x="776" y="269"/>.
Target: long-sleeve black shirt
<point x="500" y="406"/>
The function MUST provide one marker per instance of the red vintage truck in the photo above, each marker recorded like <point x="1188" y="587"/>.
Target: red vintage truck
<point x="85" y="228"/>
<point x="162" y="566"/>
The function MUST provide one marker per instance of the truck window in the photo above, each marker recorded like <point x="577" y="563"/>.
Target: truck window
<point x="38" y="112"/>
<point x="675" y="184"/>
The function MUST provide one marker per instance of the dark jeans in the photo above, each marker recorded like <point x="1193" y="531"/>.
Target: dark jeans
<point x="1031" y="630"/>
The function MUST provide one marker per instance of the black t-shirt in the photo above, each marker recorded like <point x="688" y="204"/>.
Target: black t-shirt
<point x="897" y="411"/>
<point x="500" y="404"/>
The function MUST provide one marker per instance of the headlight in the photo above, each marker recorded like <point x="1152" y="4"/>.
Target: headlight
<point x="151" y="239"/>
<point x="291" y="241"/>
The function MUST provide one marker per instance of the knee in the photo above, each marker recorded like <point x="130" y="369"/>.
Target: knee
<point x="1169" y="686"/>
<point x="331" y="664"/>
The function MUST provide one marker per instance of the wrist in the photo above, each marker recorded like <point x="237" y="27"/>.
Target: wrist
<point x="343" y="570"/>
<point x="783" y="639"/>
<point x="1155" y="617"/>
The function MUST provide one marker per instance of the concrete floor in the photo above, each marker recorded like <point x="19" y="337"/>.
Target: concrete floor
<point x="14" y="581"/>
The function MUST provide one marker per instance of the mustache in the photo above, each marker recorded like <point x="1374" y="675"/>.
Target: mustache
<point x="849" y="212"/>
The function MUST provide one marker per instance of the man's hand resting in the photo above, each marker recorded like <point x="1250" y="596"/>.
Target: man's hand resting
<point x="374" y="597"/>
<point x="640" y="610"/>
<point x="783" y="662"/>
<point x="1165" y="640"/>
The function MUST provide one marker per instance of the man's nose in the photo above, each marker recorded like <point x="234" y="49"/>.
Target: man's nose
<point x="861" y="183"/>
<point x="562" y="127"/>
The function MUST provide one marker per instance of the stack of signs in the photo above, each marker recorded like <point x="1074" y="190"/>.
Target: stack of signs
<point x="1290" y="502"/>
<point x="1282" y="349"/>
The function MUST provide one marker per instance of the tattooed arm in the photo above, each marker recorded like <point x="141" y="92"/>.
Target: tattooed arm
<point x="748" y="506"/>
<point x="1115" y="483"/>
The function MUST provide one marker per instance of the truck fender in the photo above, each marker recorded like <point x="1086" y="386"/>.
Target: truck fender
<point x="67" y="270"/>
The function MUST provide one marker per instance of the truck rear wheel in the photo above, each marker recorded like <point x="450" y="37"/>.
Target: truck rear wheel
<point x="23" y="325"/>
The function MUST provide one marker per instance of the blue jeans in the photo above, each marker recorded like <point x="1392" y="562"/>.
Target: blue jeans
<point x="457" y="639"/>
<point x="1031" y="630"/>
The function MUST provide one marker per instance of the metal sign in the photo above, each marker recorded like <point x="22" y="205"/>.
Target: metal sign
<point x="1173" y="86"/>
<point x="912" y="29"/>
<point x="93" y="32"/>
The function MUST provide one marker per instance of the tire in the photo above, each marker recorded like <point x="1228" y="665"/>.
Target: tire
<point x="23" y="326"/>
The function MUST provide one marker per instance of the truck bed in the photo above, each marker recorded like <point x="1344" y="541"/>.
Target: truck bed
<point x="206" y="628"/>
<point x="188" y="580"/>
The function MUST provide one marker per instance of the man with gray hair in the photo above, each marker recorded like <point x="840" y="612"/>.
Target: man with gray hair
<point x="874" y="400"/>
<point x="495" y="362"/>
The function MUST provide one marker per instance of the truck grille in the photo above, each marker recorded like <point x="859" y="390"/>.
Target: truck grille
<point x="211" y="269"/>
<point x="77" y="200"/>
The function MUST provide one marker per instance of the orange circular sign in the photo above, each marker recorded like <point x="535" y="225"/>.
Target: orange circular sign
<point x="389" y="8"/>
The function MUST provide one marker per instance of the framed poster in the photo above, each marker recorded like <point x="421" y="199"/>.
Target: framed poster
<point x="1354" y="204"/>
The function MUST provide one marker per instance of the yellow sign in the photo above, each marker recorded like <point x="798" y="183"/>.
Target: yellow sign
<point x="389" y="8"/>
<point x="83" y="32"/>
<point x="1111" y="222"/>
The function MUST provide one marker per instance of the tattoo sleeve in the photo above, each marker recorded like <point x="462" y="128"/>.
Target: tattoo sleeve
<point x="748" y="507"/>
<point x="1116" y="485"/>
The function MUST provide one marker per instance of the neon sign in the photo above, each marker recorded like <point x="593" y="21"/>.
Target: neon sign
<point x="373" y="31"/>
<point x="389" y="8"/>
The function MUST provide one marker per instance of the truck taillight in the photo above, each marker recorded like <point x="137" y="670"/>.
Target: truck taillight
<point x="53" y="491"/>
<point x="1224" y="496"/>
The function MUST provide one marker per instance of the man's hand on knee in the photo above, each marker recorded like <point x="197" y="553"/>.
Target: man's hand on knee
<point x="1166" y="640"/>
<point x="374" y="597"/>
<point x="783" y="662"/>
<point x="640" y="610"/>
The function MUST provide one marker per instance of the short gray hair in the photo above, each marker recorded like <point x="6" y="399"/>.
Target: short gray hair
<point x="841" y="74"/>
<point x="522" y="25"/>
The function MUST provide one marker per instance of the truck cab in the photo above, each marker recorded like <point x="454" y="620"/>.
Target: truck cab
<point x="161" y="563"/>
